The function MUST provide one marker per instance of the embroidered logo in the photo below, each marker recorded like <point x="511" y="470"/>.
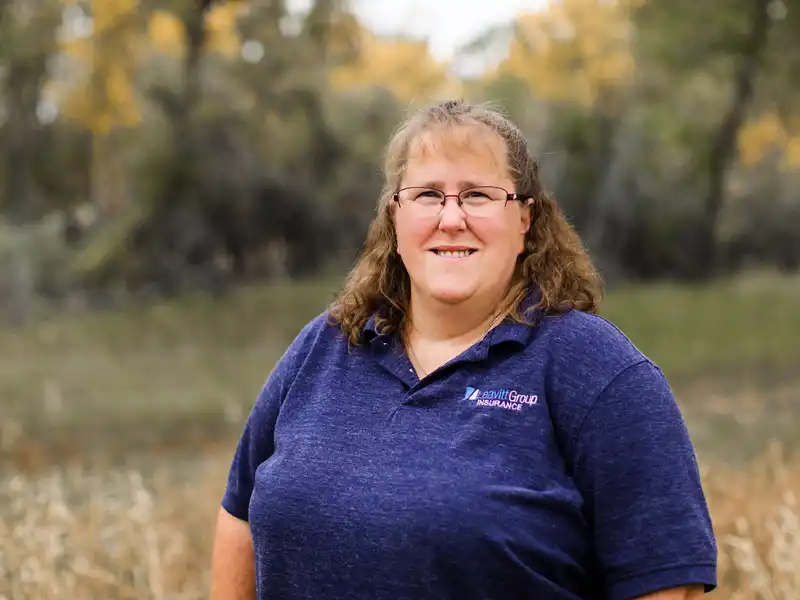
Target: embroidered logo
<point x="502" y="398"/>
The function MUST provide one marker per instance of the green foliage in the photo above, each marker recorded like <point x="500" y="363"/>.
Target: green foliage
<point x="718" y="328"/>
<point x="268" y="166"/>
<point x="194" y="361"/>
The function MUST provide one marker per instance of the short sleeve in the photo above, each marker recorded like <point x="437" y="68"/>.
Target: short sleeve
<point x="637" y="470"/>
<point x="257" y="442"/>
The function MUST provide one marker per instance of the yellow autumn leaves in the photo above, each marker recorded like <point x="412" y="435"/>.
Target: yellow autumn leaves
<point x="404" y="66"/>
<point x="567" y="52"/>
<point x="166" y="33"/>
<point x="576" y="51"/>
<point x="768" y="135"/>
<point x="573" y="51"/>
<point x="579" y="49"/>
<point x="101" y="93"/>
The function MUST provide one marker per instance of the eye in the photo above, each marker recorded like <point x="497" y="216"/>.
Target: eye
<point x="428" y="197"/>
<point x="475" y="197"/>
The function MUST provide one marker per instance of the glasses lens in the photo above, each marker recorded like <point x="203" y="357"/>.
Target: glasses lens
<point x="474" y="201"/>
<point x="421" y="200"/>
<point x="482" y="200"/>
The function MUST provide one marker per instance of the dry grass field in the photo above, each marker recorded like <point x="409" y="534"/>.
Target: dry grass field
<point x="116" y="432"/>
<point x="87" y="534"/>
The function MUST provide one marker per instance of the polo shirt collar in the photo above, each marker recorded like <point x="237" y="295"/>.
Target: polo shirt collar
<point x="506" y="331"/>
<point x="370" y="331"/>
<point x="519" y="333"/>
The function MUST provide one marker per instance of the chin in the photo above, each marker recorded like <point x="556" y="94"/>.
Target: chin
<point x="451" y="295"/>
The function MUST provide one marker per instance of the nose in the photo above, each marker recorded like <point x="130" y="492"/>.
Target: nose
<point x="452" y="216"/>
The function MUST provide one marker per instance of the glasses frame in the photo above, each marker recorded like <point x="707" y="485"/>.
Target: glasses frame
<point x="526" y="199"/>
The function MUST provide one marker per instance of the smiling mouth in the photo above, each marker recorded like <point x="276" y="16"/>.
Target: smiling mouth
<point x="454" y="253"/>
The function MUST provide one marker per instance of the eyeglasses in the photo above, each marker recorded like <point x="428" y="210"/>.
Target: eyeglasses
<point x="476" y="201"/>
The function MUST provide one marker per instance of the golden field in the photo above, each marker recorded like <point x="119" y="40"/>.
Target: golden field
<point x="80" y="533"/>
<point x="117" y="431"/>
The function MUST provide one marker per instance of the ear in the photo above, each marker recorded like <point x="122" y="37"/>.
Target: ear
<point x="526" y="215"/>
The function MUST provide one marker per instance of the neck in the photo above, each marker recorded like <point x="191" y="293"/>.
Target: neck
<point x="438" y="322"/>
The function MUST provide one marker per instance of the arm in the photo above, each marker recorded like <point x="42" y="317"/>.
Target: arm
<point x="233" y="563"/>
<point x="233" y="574"/>
<point x="233" y="569"/>
<point x="681" y="593"/>
<point x="636" y="469"/>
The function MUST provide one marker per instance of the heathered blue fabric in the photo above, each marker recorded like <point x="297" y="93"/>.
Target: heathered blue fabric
<point x="568" y="475"/>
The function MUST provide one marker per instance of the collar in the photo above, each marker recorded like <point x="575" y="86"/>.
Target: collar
<point x="370" y="332"/>
<point x="510" y="331"/>
<point x="506" y="331"/>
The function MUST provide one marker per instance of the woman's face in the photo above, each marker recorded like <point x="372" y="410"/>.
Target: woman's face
<point x="452" y="256"/>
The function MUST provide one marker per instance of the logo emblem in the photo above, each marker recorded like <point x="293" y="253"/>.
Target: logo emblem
<point x="500" y="398"/>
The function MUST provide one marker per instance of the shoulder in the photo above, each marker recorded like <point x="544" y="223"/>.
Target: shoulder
<point x="319" y="333"/>
<point x="585" y="354"/>
<point x="589" y="343"/>
<point x="316" y="330"/>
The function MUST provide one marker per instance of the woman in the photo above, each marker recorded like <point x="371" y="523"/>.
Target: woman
<point x="459" y="424"/>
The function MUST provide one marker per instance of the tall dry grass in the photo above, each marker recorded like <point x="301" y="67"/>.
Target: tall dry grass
<point x="757" y="518"/>
<point x="82" y="534"/>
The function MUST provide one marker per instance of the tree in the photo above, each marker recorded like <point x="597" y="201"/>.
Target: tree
<point x="768" y="135"/>
<point x="107" y="57"/>
<point x="403" y="66"/>
<point x="575" y="51"/>
<point x="729" y="40"/>
<point x="26" y="42"/>
<point x="250" y="153"/>
<point x="103" y="57"/>
<point x="576" y="56"/>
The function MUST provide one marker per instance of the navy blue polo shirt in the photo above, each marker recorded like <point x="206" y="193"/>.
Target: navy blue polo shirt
<point x="546" y="462"/>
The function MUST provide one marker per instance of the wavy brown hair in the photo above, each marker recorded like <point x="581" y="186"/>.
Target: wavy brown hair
<point x="554" y="261"/>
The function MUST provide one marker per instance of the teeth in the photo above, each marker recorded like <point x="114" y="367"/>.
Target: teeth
<point x="453" y="254"/>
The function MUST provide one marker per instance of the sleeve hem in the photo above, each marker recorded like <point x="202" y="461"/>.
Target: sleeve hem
<point x="234" y="509"/>
<point x="649" y="582"/>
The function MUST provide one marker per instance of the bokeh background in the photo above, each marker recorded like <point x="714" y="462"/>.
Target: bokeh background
<point x="184" y="184"/>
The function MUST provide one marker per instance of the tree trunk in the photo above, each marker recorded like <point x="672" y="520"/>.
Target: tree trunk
<point x="26" y="39"/>
<point x="24" y="81"/>
<point x="723" y="146"/>
<point x="183" y="175"/>
<point x="607" y="117"/>
<point x="194" y="26"/>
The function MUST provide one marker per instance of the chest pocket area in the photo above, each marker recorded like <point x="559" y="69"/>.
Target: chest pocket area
<point x="509" y="443"/>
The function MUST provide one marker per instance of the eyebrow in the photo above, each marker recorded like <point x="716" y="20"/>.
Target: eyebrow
<point x="440" y="184"/>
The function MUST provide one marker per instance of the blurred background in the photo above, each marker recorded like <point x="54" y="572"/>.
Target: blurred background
<point x="184" y="184"/>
